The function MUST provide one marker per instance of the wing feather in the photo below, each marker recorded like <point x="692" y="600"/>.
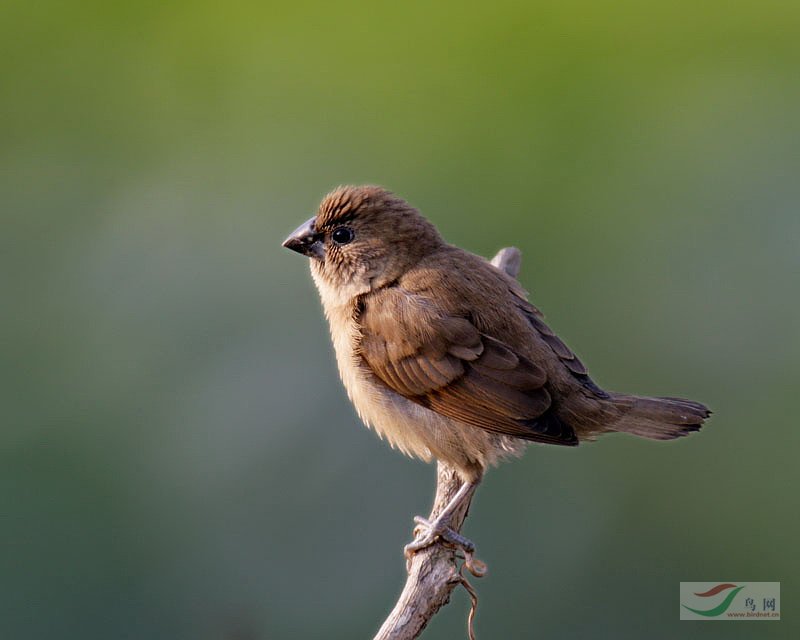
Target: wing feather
<point x="446" y="364"/>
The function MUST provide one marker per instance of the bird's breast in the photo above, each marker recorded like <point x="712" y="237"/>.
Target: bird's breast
<point x="392" y="416"/>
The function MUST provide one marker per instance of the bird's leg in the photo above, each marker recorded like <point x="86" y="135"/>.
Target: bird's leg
<point x="440" y="526"/>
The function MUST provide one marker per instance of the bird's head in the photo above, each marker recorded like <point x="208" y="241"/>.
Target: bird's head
<point x="363" y="238"/>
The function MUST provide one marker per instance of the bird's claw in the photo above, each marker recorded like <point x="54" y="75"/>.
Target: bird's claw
<point x="427" y="532"/>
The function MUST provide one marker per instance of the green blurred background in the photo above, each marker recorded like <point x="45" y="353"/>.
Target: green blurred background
<point x="179" y="460"/>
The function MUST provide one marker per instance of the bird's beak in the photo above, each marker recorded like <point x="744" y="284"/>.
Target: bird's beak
<point x="305" y="240"/>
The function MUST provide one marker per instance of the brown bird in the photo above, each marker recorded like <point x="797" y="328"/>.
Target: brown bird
<point x="442" y="354"/>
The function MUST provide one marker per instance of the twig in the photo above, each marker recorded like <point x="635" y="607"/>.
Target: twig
<point x="433" y="572"/>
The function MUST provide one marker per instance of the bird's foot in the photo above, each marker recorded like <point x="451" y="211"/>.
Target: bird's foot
<point x="426" y="533"/>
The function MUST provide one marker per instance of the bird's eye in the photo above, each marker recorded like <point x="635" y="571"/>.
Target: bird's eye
<point x="342" y="235"/>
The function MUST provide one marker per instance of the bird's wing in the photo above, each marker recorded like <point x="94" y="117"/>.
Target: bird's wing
<point x="564" y="353"/>
<point x="444" y="363"/>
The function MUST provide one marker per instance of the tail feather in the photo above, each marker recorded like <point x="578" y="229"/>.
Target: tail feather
<point x="658" y="418"/>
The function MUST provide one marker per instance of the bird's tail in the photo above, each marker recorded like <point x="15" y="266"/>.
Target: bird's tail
<point x="658" y="418"/>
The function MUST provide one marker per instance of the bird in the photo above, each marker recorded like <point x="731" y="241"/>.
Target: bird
<point x="444" y="356"/>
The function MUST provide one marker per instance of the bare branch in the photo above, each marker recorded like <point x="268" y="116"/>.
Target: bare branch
<point x="433" y="572"/>
<point x="509" y="260"/>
